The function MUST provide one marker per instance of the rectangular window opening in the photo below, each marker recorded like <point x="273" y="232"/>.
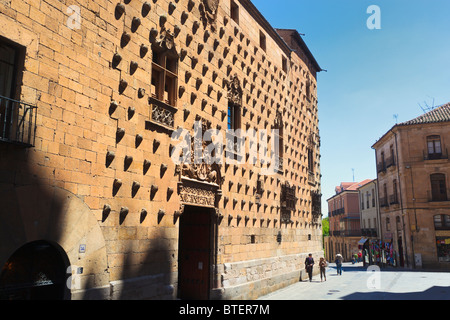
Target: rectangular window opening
<point x="262" y="41"/>
<point x="234" y="12"/>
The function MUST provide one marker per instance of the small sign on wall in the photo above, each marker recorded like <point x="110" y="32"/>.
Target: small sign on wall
<point x="82" y="248"/>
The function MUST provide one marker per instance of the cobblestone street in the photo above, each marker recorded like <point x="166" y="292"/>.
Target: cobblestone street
<point x="356" y="283"/>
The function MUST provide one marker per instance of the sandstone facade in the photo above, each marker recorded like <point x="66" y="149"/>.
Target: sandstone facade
<point x="413" y="179"/>
<point x="345" y="221"/>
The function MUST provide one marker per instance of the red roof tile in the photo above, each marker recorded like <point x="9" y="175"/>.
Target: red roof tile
<point x="439" y="114"/>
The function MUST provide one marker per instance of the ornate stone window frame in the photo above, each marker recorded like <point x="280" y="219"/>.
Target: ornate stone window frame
<point x="163" y="98"/>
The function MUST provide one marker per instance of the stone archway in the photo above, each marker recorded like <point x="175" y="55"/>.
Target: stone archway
<point x="36" y="271"/>
<point x="35" y="213"/>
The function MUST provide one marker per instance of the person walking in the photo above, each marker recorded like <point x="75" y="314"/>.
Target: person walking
<point x="309" y="264"/>
<point x="338" y="262"/>
<point x="322" y="265"/>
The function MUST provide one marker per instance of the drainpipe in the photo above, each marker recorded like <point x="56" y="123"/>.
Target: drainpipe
<point x="401" y="199"/>
<point x="378" y="196"/>
<point x="415" y="213"/>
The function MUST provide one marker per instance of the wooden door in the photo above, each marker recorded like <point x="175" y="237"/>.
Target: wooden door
<point x="194" y="254"/>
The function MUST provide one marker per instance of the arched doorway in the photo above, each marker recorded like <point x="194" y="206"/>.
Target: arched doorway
<point x="36" y="271"/>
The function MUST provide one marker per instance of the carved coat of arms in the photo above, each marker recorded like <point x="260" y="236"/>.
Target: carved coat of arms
<point x="202" y="169"/>
<point x="208" y="10"/>
<point x="235" y="90"/>
<point x="166" y="40"/>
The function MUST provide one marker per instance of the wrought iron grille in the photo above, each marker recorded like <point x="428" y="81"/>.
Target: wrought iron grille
<point x="288" y="202"/>
<point x="162" y="113"/>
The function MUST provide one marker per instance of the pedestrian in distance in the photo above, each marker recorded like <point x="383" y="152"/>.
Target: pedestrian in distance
<point x="338" y="262"/>
<point x="309" y="264"/>
<point x="323" y="265"/>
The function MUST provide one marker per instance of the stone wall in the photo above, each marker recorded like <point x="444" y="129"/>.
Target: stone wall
<point x="250" y="279"/>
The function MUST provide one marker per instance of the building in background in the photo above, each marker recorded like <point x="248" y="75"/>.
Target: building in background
<point x="344" y="221"/>
<point x="413" y="171"/>
<point x="370" y="220"/>
<point x="368" y="200"/>
<point x="92" y="99"/>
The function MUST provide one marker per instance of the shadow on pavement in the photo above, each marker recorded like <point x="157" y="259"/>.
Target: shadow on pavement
<point x="434" y="293"/>
<point x="347" y="267"/>
<point x="358" y="267"/>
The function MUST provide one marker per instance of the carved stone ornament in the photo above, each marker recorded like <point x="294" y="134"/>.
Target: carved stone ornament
<point x="288" y="202"/>
<point x="235" y="90"/>
<point x="313" y="140"/>
<point x="180" y="211"/>
<point x="278" y="121"/>
<point x="316" y="205"/>
<point x="208" y="11"/>
<point x="200" y="194"/>
<point x="204" y="171"/>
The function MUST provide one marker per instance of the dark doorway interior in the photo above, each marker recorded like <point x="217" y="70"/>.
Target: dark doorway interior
<point x="400" y="252"/>
<point x="36" y="271"/>
<point x="194" y="254"/>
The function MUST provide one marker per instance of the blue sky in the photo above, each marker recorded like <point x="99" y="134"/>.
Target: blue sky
<point x="371" y="75"/>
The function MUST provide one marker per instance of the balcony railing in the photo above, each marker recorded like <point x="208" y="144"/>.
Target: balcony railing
<point x="369" y="232"/>
<point x="346" y="233"/>
<point x="393" y="199"/>
<point x="390" y="162"/>
<point x="437" y="197"/>
<point x="17" y="122"/>
<point x="337" y="212"/>
<point x="383" y="202"/>
<point x="381" y="167"/>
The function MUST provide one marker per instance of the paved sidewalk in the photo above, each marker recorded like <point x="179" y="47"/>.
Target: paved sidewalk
<point x="356" y="283"/>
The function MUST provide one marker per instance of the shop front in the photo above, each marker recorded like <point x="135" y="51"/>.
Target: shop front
<point x="443" y="249"/>
<point x="377" y="252"/>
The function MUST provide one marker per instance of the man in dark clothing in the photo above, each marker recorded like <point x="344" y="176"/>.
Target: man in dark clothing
<point x="309" y="263"/>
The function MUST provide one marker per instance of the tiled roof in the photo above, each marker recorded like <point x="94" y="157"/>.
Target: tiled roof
<point x="351" y="186"/>
<point x="356" y="185"/>
<point x="439" y="114"/>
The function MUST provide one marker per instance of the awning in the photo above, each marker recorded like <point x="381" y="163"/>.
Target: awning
<point x="362" y="241"/>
